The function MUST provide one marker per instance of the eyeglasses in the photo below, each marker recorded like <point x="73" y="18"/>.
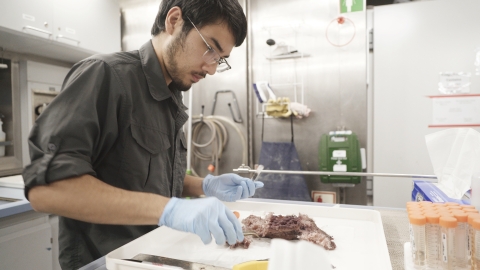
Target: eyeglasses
<point x="211" y="56"/>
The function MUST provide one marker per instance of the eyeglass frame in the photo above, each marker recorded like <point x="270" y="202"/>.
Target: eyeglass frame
<point x="221" y="60"/>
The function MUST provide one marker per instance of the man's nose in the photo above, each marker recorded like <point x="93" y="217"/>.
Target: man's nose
<point x="210" y="68"/>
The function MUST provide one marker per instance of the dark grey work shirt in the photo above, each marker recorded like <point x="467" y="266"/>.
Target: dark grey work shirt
<point x="117" y="120"/>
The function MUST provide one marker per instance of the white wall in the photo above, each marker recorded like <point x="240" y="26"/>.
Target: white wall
<point x="413" y="42"/>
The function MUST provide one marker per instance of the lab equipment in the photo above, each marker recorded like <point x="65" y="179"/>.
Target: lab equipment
<point x="339" y="151"/>
<point x="417" y="238"/>
<point x="476" y="249"/>
<point x="283" y="48"/>
<point x="432" y="236"/>
<point x="471" y="237"/>
<point x="229" y="187"/>
<point x="455" y="154"/>
<point x="427" y="191"/>
<point x="170" y="263"/>
<point x="461" y="244"/>
<point x="257" y="173"/>
<point x="366" y="226"/>
<point x="217" y="142"/>
<point x="448" y="225"/>
<point x="475" y="190"/>
<point x="234" y="97"/>
<point x="263" y="91"/>
<point x="204" y="217"/>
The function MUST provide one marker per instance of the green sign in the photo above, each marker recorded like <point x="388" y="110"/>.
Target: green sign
<point x="347" y="6"/>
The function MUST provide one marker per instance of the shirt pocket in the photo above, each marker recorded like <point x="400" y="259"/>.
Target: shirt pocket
<point x="145" y="147"/>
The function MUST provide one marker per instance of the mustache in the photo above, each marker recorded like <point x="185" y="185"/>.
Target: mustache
<point x="202" y="74"/>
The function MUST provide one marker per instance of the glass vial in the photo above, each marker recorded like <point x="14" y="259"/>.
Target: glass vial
<point x="448" y="225"/>
<point x="417" y="239"/>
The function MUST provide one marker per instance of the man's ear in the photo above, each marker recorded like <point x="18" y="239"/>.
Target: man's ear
<point x="173" y="20"/>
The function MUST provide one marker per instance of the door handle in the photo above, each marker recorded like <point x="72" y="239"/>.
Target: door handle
<point x="67" y="38"/>
<point x="28" y="27"/>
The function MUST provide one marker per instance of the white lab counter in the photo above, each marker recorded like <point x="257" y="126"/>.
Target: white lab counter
<point x="12" y="197"/>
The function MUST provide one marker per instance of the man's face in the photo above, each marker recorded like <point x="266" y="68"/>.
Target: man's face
<point x="184" y="55"/>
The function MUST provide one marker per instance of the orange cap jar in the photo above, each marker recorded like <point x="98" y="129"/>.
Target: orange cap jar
<point x="462" y="260"/>
<point x="417" y="238"/>
<point x="432" y="237"/>
<point x="448" y="225"/>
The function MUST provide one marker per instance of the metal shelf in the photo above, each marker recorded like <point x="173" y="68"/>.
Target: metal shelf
<point x="289" y="56"/>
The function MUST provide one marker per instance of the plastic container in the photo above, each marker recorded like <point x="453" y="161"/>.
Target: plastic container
<point x="475" y="193"/>
<point x="417" y="239"/>
<point x="452" y="204"/>
<point x="432" y="236"/>
<point x="445" y="214"/>
<point x="429" y="208"/>
<point x="422" y="203"/>
<point x="476" y="254"/>
<point x="461" y="240"/>
<point x="470" y="210"/>
<point x="448" y="225"/>
<point x="454" y="207"/>
<point x="471" y="236"/>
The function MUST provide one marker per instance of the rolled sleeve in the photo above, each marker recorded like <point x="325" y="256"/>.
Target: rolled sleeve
<point x="78" y="126"/>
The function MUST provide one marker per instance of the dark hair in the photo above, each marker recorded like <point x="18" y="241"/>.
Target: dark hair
<point x="204" y="12"/>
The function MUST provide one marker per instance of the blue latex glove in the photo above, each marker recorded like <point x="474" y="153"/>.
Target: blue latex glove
<point x="203" y="217"/>
<point x="229" y="187"/>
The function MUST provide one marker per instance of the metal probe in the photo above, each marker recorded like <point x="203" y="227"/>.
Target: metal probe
<point x="247" y="169"/>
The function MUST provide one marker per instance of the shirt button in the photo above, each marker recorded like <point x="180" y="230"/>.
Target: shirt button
<point x="52" y="147"/>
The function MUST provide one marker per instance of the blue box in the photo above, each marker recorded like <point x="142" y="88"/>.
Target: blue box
<point x="428" y="191"/>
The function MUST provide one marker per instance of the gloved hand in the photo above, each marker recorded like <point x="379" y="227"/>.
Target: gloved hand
<point x="229" y="187"/>
<point x="203" y="217"/>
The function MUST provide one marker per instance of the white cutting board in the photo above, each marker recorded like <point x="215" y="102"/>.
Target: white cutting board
<point x="358" y="234"/>
<point x="15" y="181"/>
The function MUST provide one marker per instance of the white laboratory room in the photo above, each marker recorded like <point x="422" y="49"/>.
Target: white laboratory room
<point x="240" y="134"/>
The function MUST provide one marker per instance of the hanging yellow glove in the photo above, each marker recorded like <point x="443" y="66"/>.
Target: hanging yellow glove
<point x="279" y="107"/>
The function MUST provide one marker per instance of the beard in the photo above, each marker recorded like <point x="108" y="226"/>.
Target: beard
<point x="174" y="71"/>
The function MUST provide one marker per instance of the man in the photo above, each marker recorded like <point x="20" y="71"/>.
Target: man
<point x="109" y="154"/>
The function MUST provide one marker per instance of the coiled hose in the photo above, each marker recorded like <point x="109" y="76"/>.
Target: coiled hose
<point x="217" y="140"/>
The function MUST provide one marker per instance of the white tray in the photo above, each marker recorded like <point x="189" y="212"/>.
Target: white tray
<point x="358" y="234"/>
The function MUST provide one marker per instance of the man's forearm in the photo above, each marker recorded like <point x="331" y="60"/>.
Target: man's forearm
<point x="192" y="186"/>
<point x="88" y="199"/>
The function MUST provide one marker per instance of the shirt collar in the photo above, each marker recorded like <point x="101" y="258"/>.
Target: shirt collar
<point x="153" y="72"/>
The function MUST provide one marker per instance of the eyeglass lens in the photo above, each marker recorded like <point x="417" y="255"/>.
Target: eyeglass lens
<point x="211" y="57"/>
